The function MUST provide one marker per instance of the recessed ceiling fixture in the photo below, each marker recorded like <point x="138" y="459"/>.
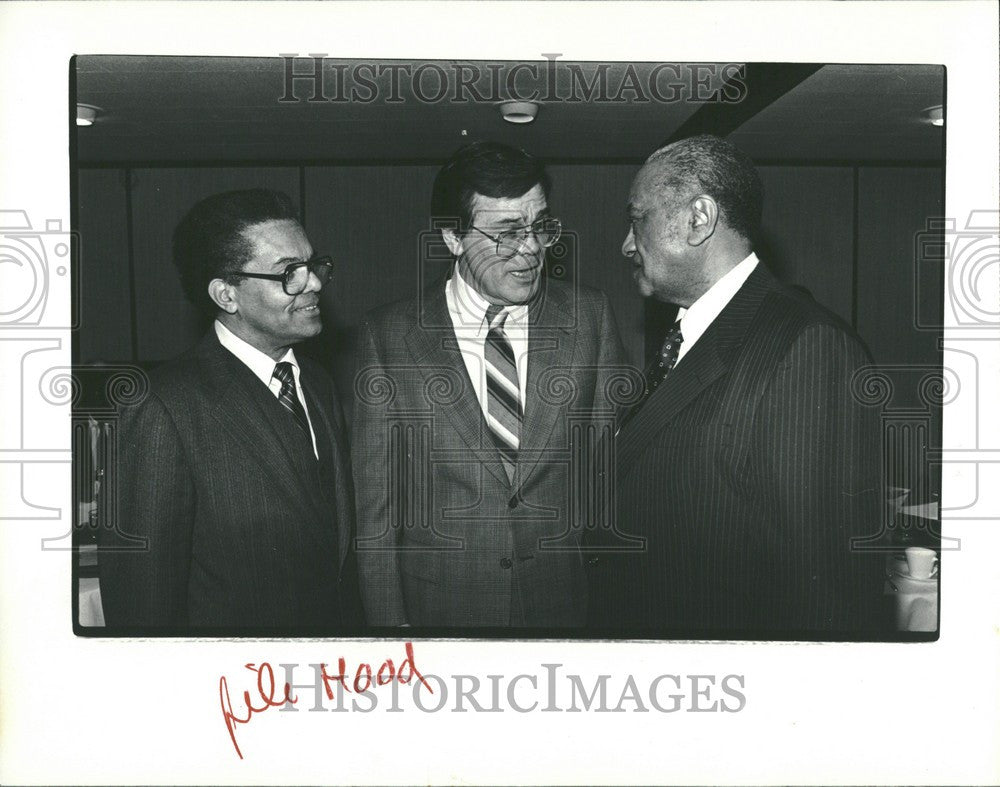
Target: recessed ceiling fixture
<point x="934" y="115"/>
<point x="86" y="114"/>
<point x="518" y="111"/>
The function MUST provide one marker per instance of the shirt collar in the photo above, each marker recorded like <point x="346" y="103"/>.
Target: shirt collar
<point x="260" y="363"/>
<point x="470" y="307"/>
<point x="699" y="315"/>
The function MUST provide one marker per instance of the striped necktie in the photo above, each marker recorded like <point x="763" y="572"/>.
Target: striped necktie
<point x="503" y="394"/>
<point x="657" y="371"/>
<point x="289" y="398"/>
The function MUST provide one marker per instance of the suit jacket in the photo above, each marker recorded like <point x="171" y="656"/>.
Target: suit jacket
<point x="444" y="538"/>
<point x="745" y="475"/>
<point x="245" y="529"/>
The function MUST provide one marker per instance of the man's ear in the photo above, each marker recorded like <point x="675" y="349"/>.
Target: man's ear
<point x="452" y="241"/>
<point x="223" y="295"/>
<point x="703" y="220"/>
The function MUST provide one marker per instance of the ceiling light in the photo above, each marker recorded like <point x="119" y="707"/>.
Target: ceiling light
<point x="518" y="111"/>
<point x="934" y="115"/>
<point x="86" y="114"/>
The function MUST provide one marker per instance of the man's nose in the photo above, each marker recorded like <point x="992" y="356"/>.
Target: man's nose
<point x="628" y="246"/>
<point x="313" y="284"/>
<point x="532" y="244"/>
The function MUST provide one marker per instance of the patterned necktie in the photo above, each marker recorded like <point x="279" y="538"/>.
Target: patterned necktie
<point x="289" y="398"/>
<point x="503" y="394"/>
<point x="657" y="371"/>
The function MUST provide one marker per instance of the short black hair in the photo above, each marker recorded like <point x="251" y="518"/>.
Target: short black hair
<point x="209" y="242"/>
<point x="488" y="168"/>
<point x="713" y="166"/>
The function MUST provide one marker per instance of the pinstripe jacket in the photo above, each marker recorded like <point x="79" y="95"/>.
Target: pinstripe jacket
<point x="742" y="480"/>
<point x="444" y="538"/>
<point x="244" y="529"/>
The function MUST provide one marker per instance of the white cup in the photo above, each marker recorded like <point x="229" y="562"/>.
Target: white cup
<point x="921" y="562"/>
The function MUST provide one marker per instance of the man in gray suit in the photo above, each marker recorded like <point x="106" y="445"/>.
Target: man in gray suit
<point x="473" y="402"/>
<point x="234" y="468"/>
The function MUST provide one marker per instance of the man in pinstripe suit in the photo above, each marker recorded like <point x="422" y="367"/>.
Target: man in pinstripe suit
<point x="472" y="402"/>
<point x="234" y="468"/>
<point x="748" y="466"/>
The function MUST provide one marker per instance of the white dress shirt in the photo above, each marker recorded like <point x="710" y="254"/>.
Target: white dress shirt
<point x="699" y="315"/>
<point x="262" y="365"/>
<point x="467" y="309"/>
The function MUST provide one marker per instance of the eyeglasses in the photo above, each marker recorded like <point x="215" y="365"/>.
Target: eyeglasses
<point x="295" y="277"/>
<point x="510" y="242"/>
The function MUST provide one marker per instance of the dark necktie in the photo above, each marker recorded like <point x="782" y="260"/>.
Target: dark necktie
<point x="503" y="394"/>
<point x="657" y="371"/>
<point x="289" y="398"/>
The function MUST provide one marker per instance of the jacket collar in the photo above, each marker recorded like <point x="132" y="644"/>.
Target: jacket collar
<point x="551" y="343"/>
<point x="244" y="405"/>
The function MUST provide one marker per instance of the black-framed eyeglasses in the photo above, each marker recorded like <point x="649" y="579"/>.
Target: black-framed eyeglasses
<point x="295" y="277"/>
<point x="510" y="242"/>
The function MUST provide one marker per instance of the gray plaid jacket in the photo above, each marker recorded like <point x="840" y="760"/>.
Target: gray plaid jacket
<point x="444" y="538"/>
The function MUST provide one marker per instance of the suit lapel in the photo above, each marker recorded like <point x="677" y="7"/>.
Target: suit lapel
<point x="708" y="360"/>
<point x="549" y="347"/>
<point x="435" y="351"/>
<point x="245" y="406"/>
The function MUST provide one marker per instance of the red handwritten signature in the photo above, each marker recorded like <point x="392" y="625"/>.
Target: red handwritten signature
<point x="364" y="679"/>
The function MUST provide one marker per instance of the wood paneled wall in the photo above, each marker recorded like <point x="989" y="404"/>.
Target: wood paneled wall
<point x="370" y="219"/>
<point x="105" y="270"/>
<point x="807" y="231"/>
<point x="590" y="200"/>
<point x="896" y="204"/>
<point x="892" y="286"/>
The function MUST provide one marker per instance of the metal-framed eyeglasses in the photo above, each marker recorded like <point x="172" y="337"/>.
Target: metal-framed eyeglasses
<point x="510" y="242"/>
<point x="295" y="278"/>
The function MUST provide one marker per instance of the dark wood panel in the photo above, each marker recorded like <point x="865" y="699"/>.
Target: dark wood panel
<point x="590" y="200"/>
<point x="166" y="323"/>
<point x="807" y="232"/>
<point x="105" y="332"/>
<point x="372" y="219"/>
<point x="894" y="205"/>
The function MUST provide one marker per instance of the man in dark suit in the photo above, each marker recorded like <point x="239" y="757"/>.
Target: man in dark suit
<point x="473" y="402"/>
<point x="748" y="466"/>
<point x="234" y="468"/>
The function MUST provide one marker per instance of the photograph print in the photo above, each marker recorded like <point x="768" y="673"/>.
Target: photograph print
<point x="510" y="350"/>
